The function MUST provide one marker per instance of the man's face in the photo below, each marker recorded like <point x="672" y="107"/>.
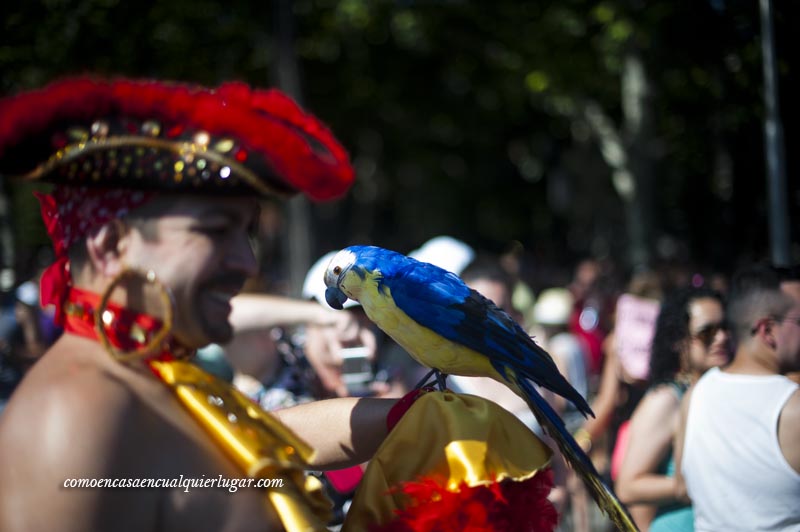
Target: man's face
<point x="498" y="293"/>
<point x="792" y="289"/>
<point x="200" y="249"/>
<point x="324" y="345"/>
<point x="494" y="290"/>
<point x="787" y="333"/>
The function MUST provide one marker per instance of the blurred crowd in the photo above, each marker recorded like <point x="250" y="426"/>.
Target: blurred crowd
<point x="631" y="344"/>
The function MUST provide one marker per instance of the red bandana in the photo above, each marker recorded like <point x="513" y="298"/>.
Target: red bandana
<point x="69" y="214"/>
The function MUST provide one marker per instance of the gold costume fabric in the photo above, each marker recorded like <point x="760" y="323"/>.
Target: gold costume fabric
<point x="257" y="442"/>
<point x="452" y="438"/>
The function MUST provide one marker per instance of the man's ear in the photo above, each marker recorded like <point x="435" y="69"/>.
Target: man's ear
<point x="105" y="247"/>
<point x="766" y="331"/>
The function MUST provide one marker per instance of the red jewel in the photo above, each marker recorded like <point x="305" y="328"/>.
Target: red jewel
<point x="241" y="155"/>
<point x="174" y="131"/>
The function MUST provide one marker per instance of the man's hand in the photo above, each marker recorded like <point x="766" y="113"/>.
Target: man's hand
<point x="325" y="341"/>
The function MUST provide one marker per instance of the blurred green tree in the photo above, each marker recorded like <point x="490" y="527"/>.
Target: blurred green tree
<point x="616" y="128"/>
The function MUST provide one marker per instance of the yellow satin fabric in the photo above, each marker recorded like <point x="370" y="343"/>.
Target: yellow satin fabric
<point x="256" y="441"/>
<point x="453" y="437"/>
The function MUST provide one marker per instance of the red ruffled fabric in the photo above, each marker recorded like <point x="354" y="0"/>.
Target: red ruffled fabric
<point x="505" y="506"/>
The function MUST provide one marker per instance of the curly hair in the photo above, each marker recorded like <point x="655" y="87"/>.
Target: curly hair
<point x="672" y="331"/>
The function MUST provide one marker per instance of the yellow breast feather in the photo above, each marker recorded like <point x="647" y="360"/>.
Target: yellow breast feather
<point x="424" y="345"/>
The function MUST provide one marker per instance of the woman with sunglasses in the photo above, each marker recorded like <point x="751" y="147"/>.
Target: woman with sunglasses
<point x="690" y="337"/>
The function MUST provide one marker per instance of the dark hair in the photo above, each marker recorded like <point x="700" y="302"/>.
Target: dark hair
<point x="140" y="218"/>
<point x="672" y="331"/>
<point x="755" y="294"/>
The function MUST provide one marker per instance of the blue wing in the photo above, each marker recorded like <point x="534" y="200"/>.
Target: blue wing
<point x="440" y="301"/>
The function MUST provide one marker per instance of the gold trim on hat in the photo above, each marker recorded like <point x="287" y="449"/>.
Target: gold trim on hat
<point x="182" y="148"/>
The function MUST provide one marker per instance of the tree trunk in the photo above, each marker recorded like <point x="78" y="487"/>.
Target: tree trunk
<point x="627" y="151"/>
<point x="299" y="234"/>
<point x="7" y="251"/>
<point x="638" y="130"/>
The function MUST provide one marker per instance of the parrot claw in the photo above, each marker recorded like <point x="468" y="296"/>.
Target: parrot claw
<point x="440" y="380"/>
<point x="424" y="381"/>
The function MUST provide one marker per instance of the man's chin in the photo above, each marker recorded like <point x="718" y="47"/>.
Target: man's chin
<point x="222" y="338"/>
<point x="220" y="333"/>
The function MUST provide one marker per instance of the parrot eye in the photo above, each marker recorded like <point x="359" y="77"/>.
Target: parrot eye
<point x="337" y="270"/>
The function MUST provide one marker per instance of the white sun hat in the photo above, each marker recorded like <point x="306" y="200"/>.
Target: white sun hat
<point x="445" y="252"/>
<point x="553" y="307"/>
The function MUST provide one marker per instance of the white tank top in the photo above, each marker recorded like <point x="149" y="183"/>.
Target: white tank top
<point x="736" y="474"/>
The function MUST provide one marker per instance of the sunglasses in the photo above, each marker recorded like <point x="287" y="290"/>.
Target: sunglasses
<point x="778" y="319"/>
<point x="709" y="331"/>
<point x="794" y="319"/>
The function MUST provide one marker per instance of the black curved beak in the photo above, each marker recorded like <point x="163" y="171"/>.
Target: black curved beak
<point x="335" y="297"/>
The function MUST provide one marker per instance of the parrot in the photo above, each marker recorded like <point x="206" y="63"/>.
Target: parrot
<point x="447" y="326"/>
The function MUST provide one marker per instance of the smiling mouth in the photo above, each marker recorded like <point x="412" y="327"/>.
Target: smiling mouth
<point x="221" y="297"/>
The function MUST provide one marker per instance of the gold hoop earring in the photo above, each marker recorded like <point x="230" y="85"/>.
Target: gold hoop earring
<point x="105" y="318"/>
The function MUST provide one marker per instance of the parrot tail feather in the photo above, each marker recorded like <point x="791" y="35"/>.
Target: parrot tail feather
<point x="577" y="459"/>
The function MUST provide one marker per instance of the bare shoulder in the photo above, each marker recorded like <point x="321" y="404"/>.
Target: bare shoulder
<point x="789" y="430"/>
<point x="659" y="403"/>
<point x="655" y="420"/>
<point x="792" y="406"/>
<point x="80" y="415"/>
<point x="61" y="402"/>
<point x="69" y="419"/>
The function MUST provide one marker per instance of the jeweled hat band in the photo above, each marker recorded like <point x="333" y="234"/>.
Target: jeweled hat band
<point x="130" y="155"/>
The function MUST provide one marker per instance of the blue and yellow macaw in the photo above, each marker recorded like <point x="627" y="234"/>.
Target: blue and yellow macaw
<point x="453" y="329"/>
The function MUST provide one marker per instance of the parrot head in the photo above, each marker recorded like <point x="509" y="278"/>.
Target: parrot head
<point x="340" y="270"/>
<point x="352" y="267"/>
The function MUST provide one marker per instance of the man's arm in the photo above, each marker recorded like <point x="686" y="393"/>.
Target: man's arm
<point x="789" y="431"/>
<point x="333" y="329"/>
<point x="681" y="492"/>
<point x="344" y="431"/>
<point x="260" y="311"/>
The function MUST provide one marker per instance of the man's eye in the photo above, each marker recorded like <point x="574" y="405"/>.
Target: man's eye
<point x="214" y="230"/>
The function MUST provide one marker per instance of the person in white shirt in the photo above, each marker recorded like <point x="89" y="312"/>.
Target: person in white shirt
<point x="738" y="443"/>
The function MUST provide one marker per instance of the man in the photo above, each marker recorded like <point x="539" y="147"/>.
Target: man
<point x="738" y="444"/>
<point x="156" y="187"/>
<point x="790" y="283"/>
